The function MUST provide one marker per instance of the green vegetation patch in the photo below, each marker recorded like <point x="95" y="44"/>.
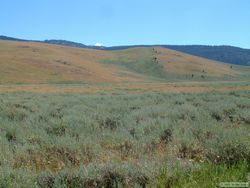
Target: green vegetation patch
<point x="140" y="61"/>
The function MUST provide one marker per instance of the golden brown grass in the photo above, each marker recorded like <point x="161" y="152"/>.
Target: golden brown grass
<point x="23" y="62"/>
<point x="30" y="62"/>
<point x="181" y="63"/>
<point x="127" y="87"/>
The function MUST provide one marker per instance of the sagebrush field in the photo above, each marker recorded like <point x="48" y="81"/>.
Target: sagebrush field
<point x="124" y="139"/>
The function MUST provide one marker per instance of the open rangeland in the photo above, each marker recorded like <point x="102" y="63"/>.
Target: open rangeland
<point x="142" y="117"/>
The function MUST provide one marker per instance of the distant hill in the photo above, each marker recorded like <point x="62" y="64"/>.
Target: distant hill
<point x="10" y="38"/>
<point x="40" y="62"/>
<point x="65" y="43"/>
<point x="72" y="44"/>
<point x="226" y="54"/>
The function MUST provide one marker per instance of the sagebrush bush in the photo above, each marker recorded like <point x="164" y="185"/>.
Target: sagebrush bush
<point x="230" y="154"/>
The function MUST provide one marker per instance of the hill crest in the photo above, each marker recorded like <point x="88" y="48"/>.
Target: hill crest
<point x="223" y="53"/>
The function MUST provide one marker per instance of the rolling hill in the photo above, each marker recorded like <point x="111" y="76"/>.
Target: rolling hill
<point x="226" y="54"/>
<point x="34" y="62"/>
<point x="29" y="62"/>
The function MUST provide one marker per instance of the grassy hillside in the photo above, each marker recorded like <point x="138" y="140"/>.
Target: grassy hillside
<point x="26" y="62"/>
<point x="227" y="54"/>
<point x="139" y="60"/>
<point x="33" y="62"/>
<point x="171" y="65"/>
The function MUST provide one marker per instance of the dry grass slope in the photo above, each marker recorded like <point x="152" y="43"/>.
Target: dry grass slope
<point x="181" y="63"/>
<point x="23" y="62"/>
<point x="26" y="62"/>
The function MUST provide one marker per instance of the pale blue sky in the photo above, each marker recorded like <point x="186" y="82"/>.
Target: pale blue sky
<point x="126" y="22"/>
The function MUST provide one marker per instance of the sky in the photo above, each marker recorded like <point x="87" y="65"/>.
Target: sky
<point x="129" y="22"/>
